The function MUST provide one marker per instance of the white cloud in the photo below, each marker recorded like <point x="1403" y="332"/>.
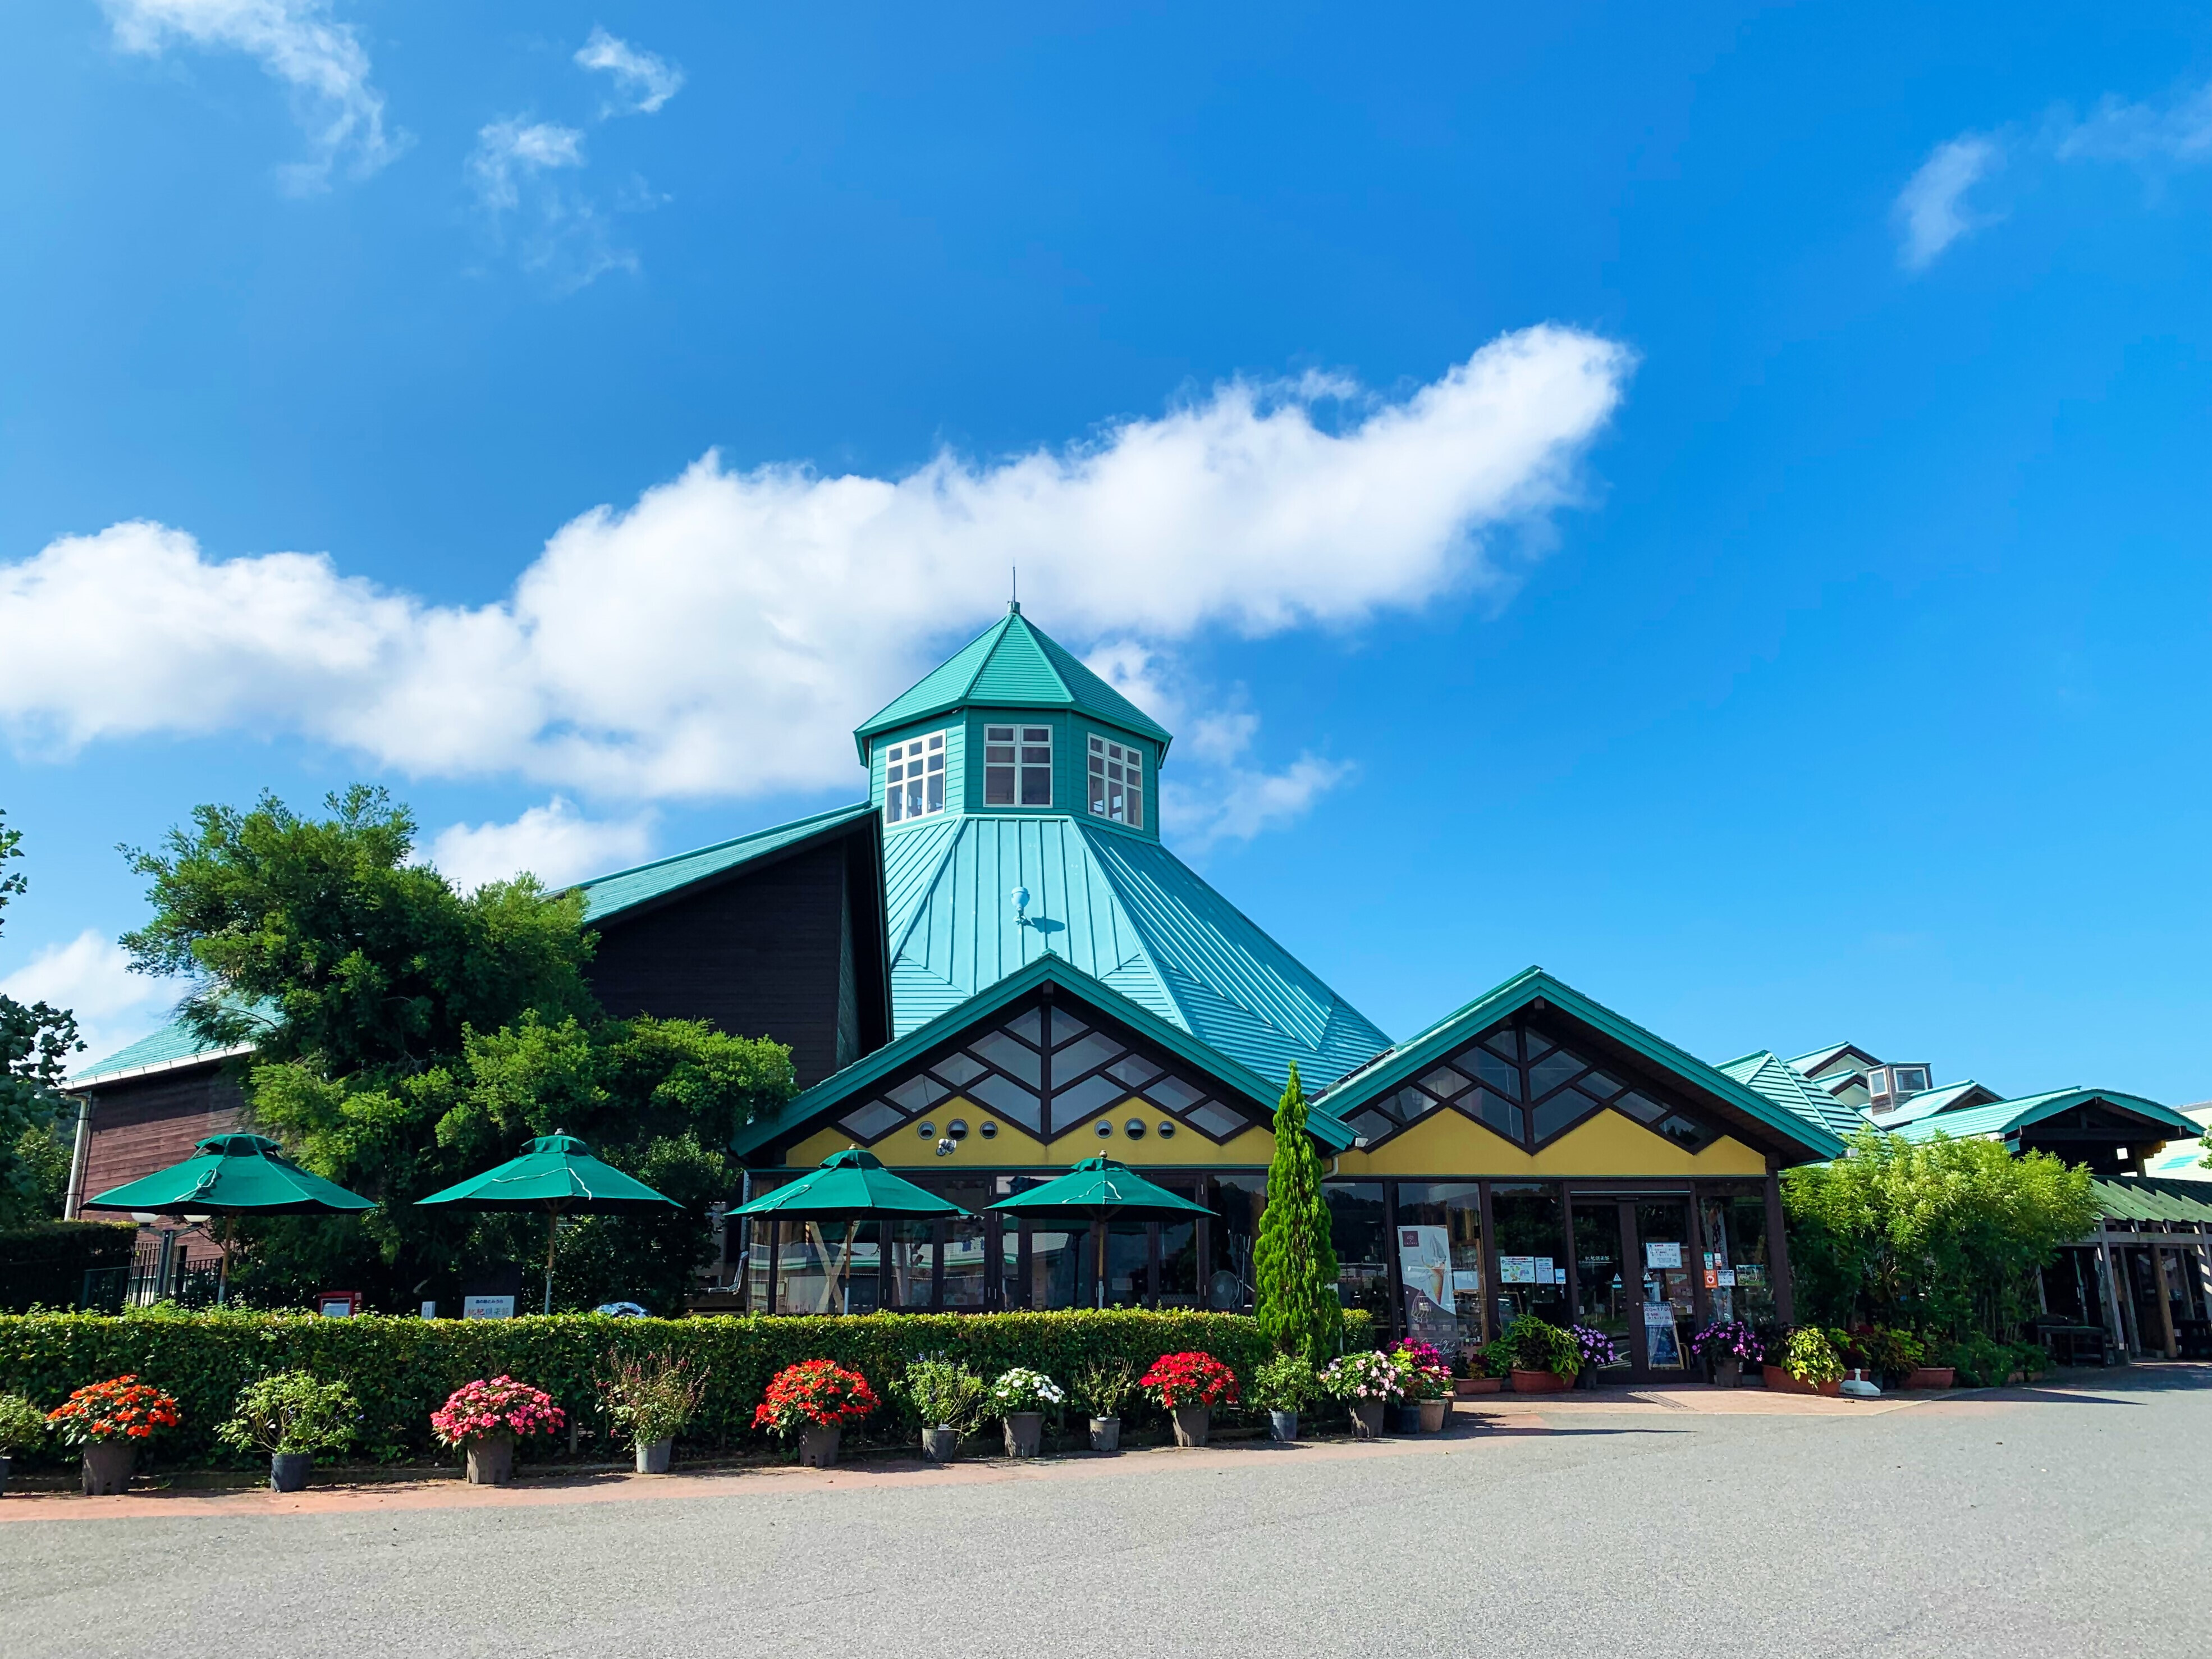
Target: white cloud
<point x="721" y="637"/>
<point x="555" y="842"/>
<point x="2141" y="133"/>
<point x="91" y="977"/>
<point x="643" y="80"/>
<point x="507" y="148"/>
<point x="295" y="40"/>
<point x="560" y="234"/>
<point x="1931" y="211"/>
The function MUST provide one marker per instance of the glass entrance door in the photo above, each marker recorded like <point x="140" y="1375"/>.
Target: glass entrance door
<point x="1603" y="1300"/>
<point x="1668" y="1309"/>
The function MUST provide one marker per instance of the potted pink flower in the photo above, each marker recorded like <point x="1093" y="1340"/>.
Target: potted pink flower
<point x="486" y="1418"/>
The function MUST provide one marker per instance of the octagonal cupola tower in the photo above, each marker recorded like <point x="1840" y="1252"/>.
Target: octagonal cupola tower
<point x="1020" y="803"/>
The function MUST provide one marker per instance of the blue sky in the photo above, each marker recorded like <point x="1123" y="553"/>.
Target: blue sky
<point x="1713" y="502"/>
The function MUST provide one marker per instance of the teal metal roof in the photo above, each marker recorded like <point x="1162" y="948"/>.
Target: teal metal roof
<point x="1928" y="1101"/>
<point x="1012" y="664"/>
<point x="798" y="1115"/>
<point x="172" y="1045"/>
<point x="1788" y="1087"/>
<point x="1813" y="1062"/>
<point x="1390" y="1071"/>
<point x="2007" y="1115"/>
<point x="607" y="895"/>
<point x="2138" y="1197"/>
<point x="1125" y="912"/>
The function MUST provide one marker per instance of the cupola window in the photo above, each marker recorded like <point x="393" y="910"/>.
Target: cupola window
<point x="1018" y="765"/>
<point x="914" y="778"/>
<point x="1117" y="782"/>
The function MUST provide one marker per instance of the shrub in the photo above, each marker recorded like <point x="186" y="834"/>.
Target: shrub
<point x="1177" y="1381"/>
<point x="1365" y="1374"/>
<point x="1729" y="1339"/>
<point x="814" y="1394"/>
<point x="1296" y="1303"/>
<point x="1284" y="1383"/>
<point x="1104" y="1389"/>
<point x="121" y="1409"/>
<point x="1022" y="1389"/>
<point x="1535" y="1344"/>
<point x="654" y="1397"/>
<point x="1810" y="1357"/>
<point x="481" y="1410"/>
<point x="22" y="1424"/>
<point x="944" y="1395"/>
<point x="291" y="1412"/>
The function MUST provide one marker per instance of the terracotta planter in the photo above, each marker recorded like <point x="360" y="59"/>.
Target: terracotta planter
<point x="1932" y="1377"/>
<point x="1191" y="1425"/>
<point x="1541" y="1381"/>
<point x="1782" y="1382"/>
<point x="1433" y="1413"/>
<point x="491" y="1462"/>
<point x="1464" y="1386"/>
<point x="1366" y="1419"/>
<point x="108" y="1466"/>
<point x="817" y="1446"/>
<point x="287" y="1471"/>
<point x="1283" y="1426"/>
<point x="653" y="1455"/>
<point x="1025" y="1431"/>
<point x="938" y="1445"/>
<point x="1105" y="1434"/>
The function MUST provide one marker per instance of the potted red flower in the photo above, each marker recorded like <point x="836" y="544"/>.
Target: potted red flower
<point x="486" y="1417"/>
<point x="109" y="1421"/>
<point x="815" y="1399"/>
<point x="1189" y="1386"/>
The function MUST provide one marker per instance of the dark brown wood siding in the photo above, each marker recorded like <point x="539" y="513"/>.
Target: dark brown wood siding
<point x="140" y="1125"/>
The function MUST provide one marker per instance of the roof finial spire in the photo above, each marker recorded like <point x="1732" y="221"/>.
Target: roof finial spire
<point x="1014" y="599"/>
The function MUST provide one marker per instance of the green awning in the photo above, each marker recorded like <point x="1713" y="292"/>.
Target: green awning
<point x="231" y="1175"/>
<point x="557" y="1173"/>
<point x="1099" y="1190"/>
<point x="850" y="1183"/>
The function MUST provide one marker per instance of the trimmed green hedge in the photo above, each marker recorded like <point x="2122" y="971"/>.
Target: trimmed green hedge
<point x="401" y="1370"/>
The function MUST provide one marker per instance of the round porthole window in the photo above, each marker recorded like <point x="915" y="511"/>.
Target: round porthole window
<point x="958" y="1128"/>
<point x="1167" y="1129"/>
<point x="927" y="1131"/>
<point x="1105" y="1127"/>
<point x="1134" y="1128"/>
<point x="988" y="1129"/>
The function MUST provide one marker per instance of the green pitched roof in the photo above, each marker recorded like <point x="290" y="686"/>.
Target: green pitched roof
<point x="172" y="1045"/>
<point x="1788" y="1087"/>
<point x="1125" y="912"/>
<point x="798" y="1115"/>
<point x="2007" y="1116"/>
<point x="1014" y="664"/>
<point x="1813" y="1062"/>
<point x="1928" y="1101"/>
<point x="1400" y="1064"/>
<point x="625" y="889"/>
<point x="2140" y="1198"/>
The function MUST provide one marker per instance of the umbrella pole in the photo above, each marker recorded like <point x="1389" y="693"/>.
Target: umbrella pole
<point x="222" y="1273"/>
<point x="552" y="1236"/>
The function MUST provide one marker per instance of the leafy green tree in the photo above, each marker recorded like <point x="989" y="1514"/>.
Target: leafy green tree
<point x="36" y="1041"/>
<point x="1294" y="1261"/>
<point x="1942" y="1235"/>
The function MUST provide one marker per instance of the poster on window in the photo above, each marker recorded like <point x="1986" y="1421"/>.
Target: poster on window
<point x="1517" y="1269"/>
<point x="1662" y="1336"/>
<point x="1425" y="1264"/>
<point x="1663" y="1256"/>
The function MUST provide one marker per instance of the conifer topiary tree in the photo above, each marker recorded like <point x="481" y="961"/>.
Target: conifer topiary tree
<point x="1297" y="1304"/>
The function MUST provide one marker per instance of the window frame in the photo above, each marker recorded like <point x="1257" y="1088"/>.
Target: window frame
<point x="1101" y="754"/>
<point x="935" y="746"/>
<point x="1017" y="768"/>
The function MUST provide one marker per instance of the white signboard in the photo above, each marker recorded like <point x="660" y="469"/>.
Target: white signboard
<point x="1726" y="1276"/>
<point x="487" y="1307"/>
<point x="1463" y="1280"/>
<point x="1662" y="1256"/>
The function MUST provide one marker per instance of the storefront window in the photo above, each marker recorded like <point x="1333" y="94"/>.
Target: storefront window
<point x="1236" y="1202"/>
<point x="1736" y="1238"/>
<point x="1669" y="1309"/>
<point x="1531" y="1274"/>
<point x="908" y="1252"/>
<point x="1602" y="1298"/>
<point x="1057" y="1257"/>
<point x="1179" y="1264"/>
<point x="1440" y="1262"/>
<point x="1358" y="1229"/>
<point x="1128" y="1263"/>
<point x="826" y="1267"/>
<point x="966" y="1245"/>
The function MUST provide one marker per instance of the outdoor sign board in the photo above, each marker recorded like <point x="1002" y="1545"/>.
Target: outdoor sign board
<point x="487" y="1307"/>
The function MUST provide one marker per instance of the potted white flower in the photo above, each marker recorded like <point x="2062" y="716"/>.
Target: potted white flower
<point x="290" y="1417"/>
<point x="1019" y="1398"/>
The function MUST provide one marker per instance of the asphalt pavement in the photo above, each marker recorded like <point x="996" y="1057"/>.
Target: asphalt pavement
<point x="2063" y="1521"/>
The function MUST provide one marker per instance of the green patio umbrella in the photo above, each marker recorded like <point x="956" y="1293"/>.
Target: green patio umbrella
<point x="557" y="1173"/>
<point x="849" y="1185"/>
<point x="1099" y="1190"/>
<point x="231" y="1175"/>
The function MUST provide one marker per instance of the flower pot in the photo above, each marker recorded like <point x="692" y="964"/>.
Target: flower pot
<point x="1023" y="1431"/>
<point x="108" y="1466"/>
<point x="287" y="1471"/>
<point x="6" y="1463"/>
<point x="1464" y="1386"/>
<point x="1283" y="1426"/>
<point x="1782" y="1382"/>
<point x="939" y="1444"/>
<point x="1932" y="1377"/>
<point x="1433" y="1413"/>
<point x="653" y="1455"/>
<point x="1727" y="1373"/>
<point x="491" y="1462"/>
<point x="818" y="1445"/>
<point x="1366" y="1419"/>
<point x="1191" y="1425"/>
<point x="1404" y="1416"/>
<point x="1105" y="1434"/>
<point x="1541" y="1381"/>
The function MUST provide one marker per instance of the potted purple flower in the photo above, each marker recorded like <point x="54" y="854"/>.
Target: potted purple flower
<point x="1597" y="1350"/>
<point x="1726" y="1346"/>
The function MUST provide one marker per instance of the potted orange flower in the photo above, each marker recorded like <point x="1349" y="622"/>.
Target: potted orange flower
<point x="109" y="1421"/>
<point x="815" y="1399"/>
